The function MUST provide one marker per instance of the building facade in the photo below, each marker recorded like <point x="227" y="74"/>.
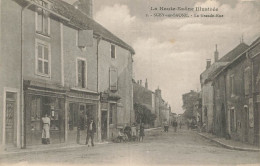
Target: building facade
<point x="207" y="90"/>
<point x="236" y="107"/>
<point x="61" y="63"/>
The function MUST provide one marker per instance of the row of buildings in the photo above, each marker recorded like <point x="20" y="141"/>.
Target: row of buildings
<point x="230" y="94"/>
<point x="153" y="101"/>
<point x="56" y="60"/>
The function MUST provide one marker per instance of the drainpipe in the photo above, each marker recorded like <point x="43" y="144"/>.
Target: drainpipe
<point x="99" y="103"/>
<point x="23" y="118"/>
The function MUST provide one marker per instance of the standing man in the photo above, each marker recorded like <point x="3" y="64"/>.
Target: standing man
<point x="175" y="124"/>
<point x="166" y="125"/>
<point x="46" y="129"/>
<point x="91" y="130"/>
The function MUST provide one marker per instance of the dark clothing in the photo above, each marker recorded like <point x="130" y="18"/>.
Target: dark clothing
<point x="141" y="131"/>
<point x="91" y="136"/>
<point x="90" y="133"/>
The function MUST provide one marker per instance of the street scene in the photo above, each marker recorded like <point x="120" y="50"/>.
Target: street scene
<point x="130" y="82"/>
<point x="184" y="147"/>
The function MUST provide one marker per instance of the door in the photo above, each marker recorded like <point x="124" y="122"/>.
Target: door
<point x="72" y="122"/>
<point x="104" y="125"/>
<point x="246" y="123"/>
<point x="223" y="121"/>
<point x="10" y="118"/>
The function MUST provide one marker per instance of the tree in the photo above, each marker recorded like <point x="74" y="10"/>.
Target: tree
<point x="189" y="102"/>
<point x="143" y="114"/>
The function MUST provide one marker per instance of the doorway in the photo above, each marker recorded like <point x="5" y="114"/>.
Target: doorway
<point x="246" y="123"/>
<point x="104" y="125"/>
<point x="223" y="121"/>
<point x="10" y="129"/>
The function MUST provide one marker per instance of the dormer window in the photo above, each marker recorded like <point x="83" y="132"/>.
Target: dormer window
<point x="113" y="51"/>
<point x="42" y="18"/>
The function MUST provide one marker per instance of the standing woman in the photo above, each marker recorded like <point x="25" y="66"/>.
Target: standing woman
<point x="46" y="129"/>
<point x="141" y="132"/>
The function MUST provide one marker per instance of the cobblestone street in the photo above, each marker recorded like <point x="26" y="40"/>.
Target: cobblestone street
<point x="183" y="147"/>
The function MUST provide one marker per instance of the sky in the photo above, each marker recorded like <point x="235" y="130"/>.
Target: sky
<point x="171" y="52"/>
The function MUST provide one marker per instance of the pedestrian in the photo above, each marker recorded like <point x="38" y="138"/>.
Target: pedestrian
<point x="141" y="132"/>
<point x="166" y="126"/>
<point x="180" y="124"/>
<point x="175" y="125"/>
<point x="91" y="130"/>
<point x="121" y="136"/>
<point x="133" y="132"/>
<point x="46" y="129"/>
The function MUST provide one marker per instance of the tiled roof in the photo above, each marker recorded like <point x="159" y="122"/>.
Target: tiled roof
<point x="234" y="53"/>
<point x="82" y="21"/>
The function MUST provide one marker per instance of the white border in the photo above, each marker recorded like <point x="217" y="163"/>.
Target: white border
<point x="86" y="70"/>
<point x="13" y="90"/>
<point x="36" y="58"/>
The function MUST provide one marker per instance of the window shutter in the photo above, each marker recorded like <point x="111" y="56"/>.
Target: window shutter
<point x="113" y="79"/>
<point x="79" y="73"/>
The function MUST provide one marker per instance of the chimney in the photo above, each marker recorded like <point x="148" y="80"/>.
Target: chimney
<point x="216" y="53"/>
<point x="208" y="63"/>
<point x="85" y="6"/>
<point x="146" y="84"/>
<point x="158" y="92"/>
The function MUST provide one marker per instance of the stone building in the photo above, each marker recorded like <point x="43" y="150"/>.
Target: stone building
<point x="236" y="93"/>
<point x="64" y="63"/>
<point x="207" y="91"/>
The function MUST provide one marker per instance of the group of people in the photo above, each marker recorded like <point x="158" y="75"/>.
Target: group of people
<point x="132" y="133"/>
<point x="83" y="123"/>
<point x="174" y="124"/>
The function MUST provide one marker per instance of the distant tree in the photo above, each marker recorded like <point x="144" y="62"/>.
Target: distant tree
<point x="189" y="102"/>
<point x="143" y="114"/>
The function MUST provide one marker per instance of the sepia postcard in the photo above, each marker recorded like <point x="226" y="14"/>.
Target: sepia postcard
<point x="129" y="82"/>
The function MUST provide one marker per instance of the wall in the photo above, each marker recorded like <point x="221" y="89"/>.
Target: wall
<point x="239" y="100"/>
<point x="10" y="54"/>
<point x="123" y="63"/>
<point x="71" y="53"/>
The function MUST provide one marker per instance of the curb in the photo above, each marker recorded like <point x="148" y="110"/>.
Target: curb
<point x="228" y="146"/>
<point x="21" y="151"/>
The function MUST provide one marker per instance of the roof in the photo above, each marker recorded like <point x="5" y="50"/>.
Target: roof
<point x="231" y="55"/>
<point x="82" y="21"/>
<point x="257" y="41"/>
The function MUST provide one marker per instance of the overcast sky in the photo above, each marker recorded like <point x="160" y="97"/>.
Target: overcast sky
<point x="170" y="52"/>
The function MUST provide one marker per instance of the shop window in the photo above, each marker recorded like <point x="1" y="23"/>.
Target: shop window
<point x="42" y="58"/>
<point x="113" y="51"/>
<point x="42" y="18"/>
<point x="36" y="113"/>
<point x="113" y="79"/>
<point x="81" y="73"/>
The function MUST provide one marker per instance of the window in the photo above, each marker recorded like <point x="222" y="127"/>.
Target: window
<point x="232" y="85"/>
<point x="81" y="73"/>
<point x="42" y="58"/>
<point x="113" y="79"/>
<point x="247" y="81"/>
<point x="113" y="51"/>
<point x="42" y="19"/>
<point x="232" y="119"/>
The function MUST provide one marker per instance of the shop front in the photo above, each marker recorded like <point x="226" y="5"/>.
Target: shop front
<point x="39" y="101"/>
<point x="81" y="106"/>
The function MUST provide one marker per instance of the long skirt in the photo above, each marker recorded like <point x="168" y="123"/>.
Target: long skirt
<point x="46" y="131"/>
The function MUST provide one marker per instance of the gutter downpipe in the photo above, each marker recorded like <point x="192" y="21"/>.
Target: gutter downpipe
<point x="23" y="117"/>
<point x="99" y="103"/>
